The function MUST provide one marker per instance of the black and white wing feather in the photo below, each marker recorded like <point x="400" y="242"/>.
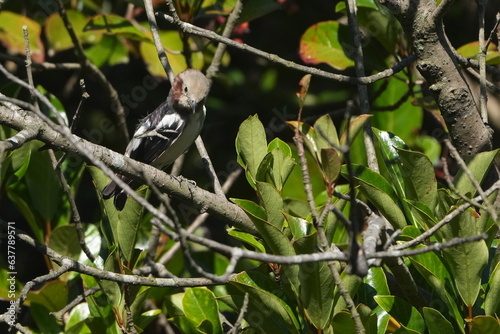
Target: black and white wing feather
<point x="156" y="133"/>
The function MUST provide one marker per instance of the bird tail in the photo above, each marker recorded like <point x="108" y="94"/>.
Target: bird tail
<point x="113" y="190"/>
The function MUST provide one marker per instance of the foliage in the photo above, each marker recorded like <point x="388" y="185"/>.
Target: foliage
<point x="459" y="286"/>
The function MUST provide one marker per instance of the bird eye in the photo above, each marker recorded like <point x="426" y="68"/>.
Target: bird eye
<point x="185" y="89"/>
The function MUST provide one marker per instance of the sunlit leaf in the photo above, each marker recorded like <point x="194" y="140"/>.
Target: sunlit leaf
<point x="321" y="43"/>
<point x="12" y="37"/>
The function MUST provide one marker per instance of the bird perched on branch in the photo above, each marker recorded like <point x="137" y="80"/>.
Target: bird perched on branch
<point x="162" y="136"/>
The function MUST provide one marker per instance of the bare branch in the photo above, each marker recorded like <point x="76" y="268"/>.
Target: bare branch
<point x="148" y="5"/>
<point x="101" y="78"/>
<point x="192" y="29"/>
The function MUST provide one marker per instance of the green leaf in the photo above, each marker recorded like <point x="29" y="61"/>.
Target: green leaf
<point x="322" y="43"/>
<point x="277" y="143"/>
<point x="272" y="202"/>
<point x="117" y="25"/>
<point x="434" y="271"/>
<point x="248" y="239"/>
<point x="268" y="309"/>
<point x="419" y="178"/>
<point x="251" y="146"/>
<point x="485" y="324"/>
<point x="388" y="144"/>
<point x="201" y="308"/>
<point x="355" y="127"/>
<point x="43" y="185"/>
<point x="275" y="240"/>
<point x="492" y="299"/>
<point x="64" y="240"/>
<point x="53" y="296"/>
<point x="375" y="283"/>
<point x="124" y="224"/>
<point x="277" y="164"/>
<point x="479" y="166"/>
<point x="172" y="42"/>
<point x="317" y="295"/>
<point x="404" y="313"/>
<point x="436" y="322"/>
<point x="254" y="9"/>
<point x="380" y="193"/>
<point x="326" y="132"/>
<point x="110" y="50"/>
<point x="58" y="37"/>
<point x="352" y="284"/>
<point x="112" y="289"/>
<point x="298" y="226"/>
<point x="471" y="50"/>
<point x="466" y="261"/>
<point x="330" y="164"/>
<point x="45" y="322"/>
<point x="406" y="120"/>
<point x="76" y="319"/>
<point x="11" y="35"/>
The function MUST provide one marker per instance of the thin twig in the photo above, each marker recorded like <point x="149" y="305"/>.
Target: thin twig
<point x="483" y="95"/>
<point x="192" y="29"/>
<point x="80" y="298"/>
<point x="244" y="308"/>
<point x="231" y="22"/>
<point x="101" y="78"/>
<point x="446" y="219"/>
<point x="148" y="6"/>
<point x="440" y="10"/>
<point x="489" y="207"/>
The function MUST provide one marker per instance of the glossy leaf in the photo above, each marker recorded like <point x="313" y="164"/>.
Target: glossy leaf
<point x="375" y="283"/>
<point x="388" y="144"/>
<point x="321" y="43"/>
<point x="76" y="319"/>
<point x="380" y="193"/>
<point x="201" y="308"/>
<point x="404" y="313"/>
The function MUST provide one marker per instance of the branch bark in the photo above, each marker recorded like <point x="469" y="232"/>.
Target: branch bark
<point x="203" y="200"/>
<point x="423" y="26"/>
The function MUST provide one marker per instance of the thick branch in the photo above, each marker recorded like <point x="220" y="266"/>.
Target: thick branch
<point x="437" y="64"/>
<point x="183" y="190"/>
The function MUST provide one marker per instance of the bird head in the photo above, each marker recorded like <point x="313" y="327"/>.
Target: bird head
<point x="189" y="90"/>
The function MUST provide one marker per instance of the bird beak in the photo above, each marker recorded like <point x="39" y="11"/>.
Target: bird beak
<point x="192" y="104"/>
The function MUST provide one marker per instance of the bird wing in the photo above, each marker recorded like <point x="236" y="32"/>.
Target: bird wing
<point x="155" y="135"/>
